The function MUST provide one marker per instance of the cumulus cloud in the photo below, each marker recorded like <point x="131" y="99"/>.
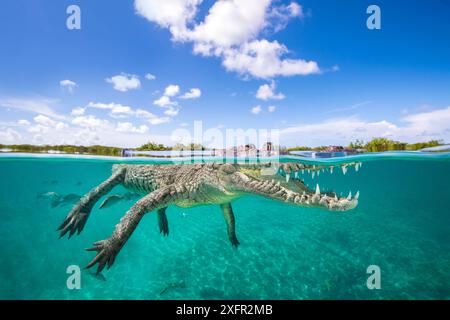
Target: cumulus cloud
<point x="78" y="111"/>
<point x="172" y="90"/>
<point x="68" y="85"/>
<point x="124" y="82"/>
<point x="43" y="120"/>
<point x="262" y="59"/>
<point x="171" y="112"/>
<point x="45" y="124"/>
<point x="256" y="109"/>
<point x="128" y="127"/>
<point x="271" y="108"/>
<point x="230" y="31"/>
<point x="194" y="93"/>
<point x="118" y="110"/>
<point x="90" y="121"/>
<point x="267" y="92"/>
<point x="150" y="76"/>
<point x="165" y="101"/>
<point x="23" y="122"/>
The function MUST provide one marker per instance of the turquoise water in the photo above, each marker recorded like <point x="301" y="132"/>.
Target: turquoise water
<point x="402" y="224"/>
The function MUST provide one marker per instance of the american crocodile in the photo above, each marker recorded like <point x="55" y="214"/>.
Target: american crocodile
<point x="188" y="185"/>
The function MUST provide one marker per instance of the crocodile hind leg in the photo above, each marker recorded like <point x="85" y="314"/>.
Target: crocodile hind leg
<point x="77" y="217"/>
<point x="228" y="214"/>
<point x="108" y="249"/>
<point x="162" y="221"/>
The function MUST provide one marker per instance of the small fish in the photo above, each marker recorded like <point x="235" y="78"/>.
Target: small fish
<point x="173" y="285"/>
<point x="57" y="199"/>
<point x="115" y="198"/>
<point x="111" y="200"/>
<point x="79" y="183"/>
<point x="49" y="194"/>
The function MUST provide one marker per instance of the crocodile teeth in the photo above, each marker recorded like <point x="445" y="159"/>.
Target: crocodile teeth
<point x="357" y="195"/>
<point x="313" y="174"/>
<point x="344" y="170"/>
<point x="296" y="175"/>
<point x="303" y="171"/>
<point x="349" y="197"/>
<point x="317" y="189"/>
<point x="331" y="169"/>
<point x="287" y="178"/>
<point x="357" y="167"/>
<point x="318" y="173"/>
<point x="335" y="197"/>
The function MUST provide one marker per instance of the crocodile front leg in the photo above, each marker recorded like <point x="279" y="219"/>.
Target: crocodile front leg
<point x="77" y="217"/>
<point x="108" y="249"/>
<point x="228" y="214"/>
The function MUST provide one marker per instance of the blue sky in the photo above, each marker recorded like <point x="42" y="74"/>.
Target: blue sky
<point x="311" y="69"/>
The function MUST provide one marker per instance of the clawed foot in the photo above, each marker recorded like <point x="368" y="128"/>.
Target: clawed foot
<point x="234" y="242"/>
<point x="75" y="220"/>
<point x="106" y="255"/>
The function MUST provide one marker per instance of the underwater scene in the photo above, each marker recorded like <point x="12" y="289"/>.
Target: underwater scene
<point x="401" y="224"/>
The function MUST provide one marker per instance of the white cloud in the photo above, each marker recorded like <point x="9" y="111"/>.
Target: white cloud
<point x="171" y="112"/>
<point x="172" y="14"/>
<point x="78" y="111"/>
<point x="9" y="136"/>
<point x="43" y="120"/>
<point x="116" y="109"/>
<point x="230" y="30"/>
<point x="23" y="122"/>
<point x="38" y="105"/>
<point x="263" y="59"/>
<point x="412" y="128"/>
<point x="279" y="16"/>
<point x="120" y="111"/>
<point x="61" y="126"/>
<point x="256" y="109"/>
<point x="124" y="82"/>
<point x="69" y="85"/>
<point x="267" y="92"/>
<point x="128" y="127"/>
<point x="172" y="90"/>
<point x="39" y="128"/>
<point x="194" y="93"/>
<point x="231" y="23"/>
<point x="150" y="76"/>
<point x="271" y="108"/>
<point x="90" y="121"/>
<point x="156" y="121"/>
<point x="165" y="101"/>
<point x="151" y="118"/>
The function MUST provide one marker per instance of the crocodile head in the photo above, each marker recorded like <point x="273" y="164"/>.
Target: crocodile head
<point x="283" y="182"/>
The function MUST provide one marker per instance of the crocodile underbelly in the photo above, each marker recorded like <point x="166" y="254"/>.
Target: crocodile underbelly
<point x="206" y="197"/>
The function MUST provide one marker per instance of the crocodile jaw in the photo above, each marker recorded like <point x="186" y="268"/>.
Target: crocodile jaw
<point x="307" y="198"/>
